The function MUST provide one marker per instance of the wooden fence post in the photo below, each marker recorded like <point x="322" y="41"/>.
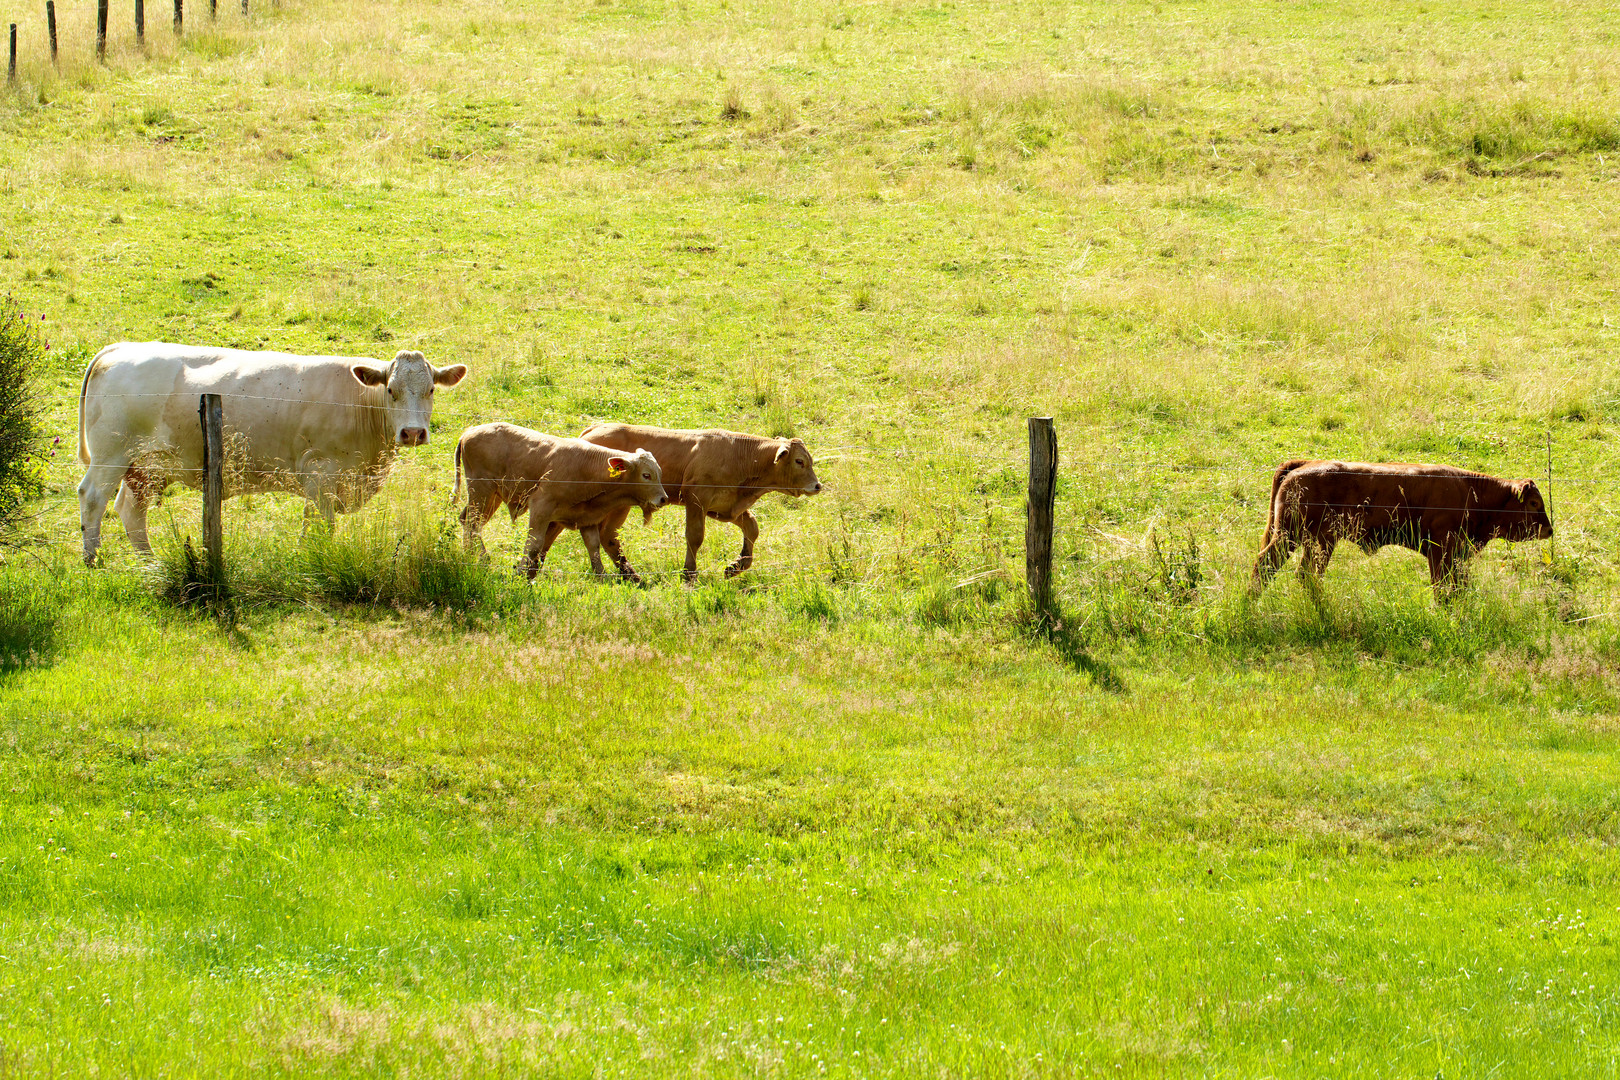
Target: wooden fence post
<point x="1552" y="542"/>
<point x="50" y="25"/>
<point x="11" y="68"/>
<point x="140" y="22"/>
<point x="208" y="410"/>
<point x="213" y="10"/>
<point x="244" y="9"/>
<point x="179" y="16"/>
<point x="1043" y="458"/>
<point x="101" y="30"/>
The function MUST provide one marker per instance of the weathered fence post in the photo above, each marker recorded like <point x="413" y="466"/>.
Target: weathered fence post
<point x="208" y="410"/>
<point x="213" y="10"/>
<point x="1552" y="549"/>
<point x="50" y="25"/>
<point x="244" y="9"/>
<point x="140" y="22"/>
<point x="11" y="68"/>
<point x="179" y="16"/>
<point x="101" y="30"/>
<point x="1043" y="459"/>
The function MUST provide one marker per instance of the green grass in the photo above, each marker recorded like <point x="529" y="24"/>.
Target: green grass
<point x="396" y="812"/>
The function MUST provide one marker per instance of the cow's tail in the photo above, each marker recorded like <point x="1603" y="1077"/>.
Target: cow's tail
<point x="84" y="389"/>
<point x="455" y="493"/>
<point x="1275" y="513"/>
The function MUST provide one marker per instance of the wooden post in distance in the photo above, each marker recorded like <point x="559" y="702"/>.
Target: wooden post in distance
<point x="1043" y="458"/>
<point x="179" y="16"/>
<point x="101" y="30"/>
<point x="50" y="25"/>
<point x="209" y="412"/>
<point x="140" y="22"/>
<point x="11" y="68"/>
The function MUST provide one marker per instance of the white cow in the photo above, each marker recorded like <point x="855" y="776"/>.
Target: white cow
<point x="325" y="427"/>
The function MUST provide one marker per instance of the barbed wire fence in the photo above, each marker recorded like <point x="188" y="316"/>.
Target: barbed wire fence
<point x="1072" y="472"/>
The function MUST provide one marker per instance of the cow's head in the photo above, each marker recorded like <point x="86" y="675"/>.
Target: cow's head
<point x="792" y="471"/>
<point x="409" y="383"/>
<point x="1525" y="513"/>
<point x="646" y="480"/>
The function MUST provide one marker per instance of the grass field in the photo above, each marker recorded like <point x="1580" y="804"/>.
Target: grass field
<point x="402" y="814"/>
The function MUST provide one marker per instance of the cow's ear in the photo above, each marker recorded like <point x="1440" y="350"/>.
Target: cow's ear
<point x="617" y="466"/>
<point x="781" y="452"/>
<point x="367" y="375"/>
<point x="449" y="376"/>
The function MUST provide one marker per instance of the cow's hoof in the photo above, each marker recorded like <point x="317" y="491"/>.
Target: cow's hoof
<point x="628" y="574"/>
<point x="734" y="569"/>
<point x="689" y="577"/>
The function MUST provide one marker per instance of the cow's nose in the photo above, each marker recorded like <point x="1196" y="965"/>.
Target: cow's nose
<point x="414" y="436"/>
<point x="817" y="488"/>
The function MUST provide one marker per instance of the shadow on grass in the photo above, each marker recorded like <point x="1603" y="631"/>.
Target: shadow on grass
<point x="30" y="611"/>
<point x="1071" y="646"/>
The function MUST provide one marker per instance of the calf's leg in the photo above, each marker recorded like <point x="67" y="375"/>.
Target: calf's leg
<point x="1445" y="571"/>
<point x="695" y="524"/>
<point x="610" y="540"/>
<point x="750" y="530"/>
<point x="543" y="533"/>
<point x="482" y="503"/>
<point x="592" y="535"/>
<point x="1314" y="562"/>
<point x="1279" y="547"/>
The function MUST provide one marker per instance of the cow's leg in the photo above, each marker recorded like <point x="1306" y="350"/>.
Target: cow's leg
<point x="695" y="524"/>
<point x="321" y="489"/>
<point x="592" y="535"/>
<point x="131" y="506"/>
<point x="610" y="541"/>
<point x="750" y="530"/>
<point x="99" y="483"/>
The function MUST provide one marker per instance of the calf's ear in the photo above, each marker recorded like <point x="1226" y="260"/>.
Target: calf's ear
<point x="781" y="452"/>
<point x="617" y="466"/>
<point x="449" y="376"/>
<point x="366" y="375"/>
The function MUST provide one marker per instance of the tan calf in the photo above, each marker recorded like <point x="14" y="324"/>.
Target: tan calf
<point x="563" y="483"/>
<point x="714" y="474"/>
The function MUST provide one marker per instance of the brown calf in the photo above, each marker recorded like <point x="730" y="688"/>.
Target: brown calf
<point x="715" y="474"/>
<point x="563" y="483"/>
<point x="1441" y="512"/>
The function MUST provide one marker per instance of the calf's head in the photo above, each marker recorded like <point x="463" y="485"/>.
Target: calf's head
<point x="644" y="478"/>
<point x="1524" y="514"/>
<point x="792" y="471"/>
<point x="408" y="385"/>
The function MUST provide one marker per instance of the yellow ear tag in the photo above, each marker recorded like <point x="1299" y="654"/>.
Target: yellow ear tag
<point x="613" y="472"/>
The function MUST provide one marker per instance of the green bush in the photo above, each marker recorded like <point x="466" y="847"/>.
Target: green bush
<point x="22" y="463"/>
